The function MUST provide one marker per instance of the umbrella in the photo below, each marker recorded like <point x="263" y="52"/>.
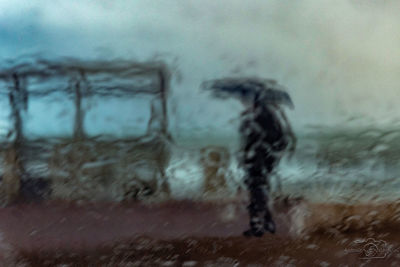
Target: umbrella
<point x="250" y="89"/>
<point x="262" y="91"/>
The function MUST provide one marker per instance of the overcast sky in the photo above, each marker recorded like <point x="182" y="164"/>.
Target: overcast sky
<point x="337" y="58"/>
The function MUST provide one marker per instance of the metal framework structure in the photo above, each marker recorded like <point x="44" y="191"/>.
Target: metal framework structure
<point x="84" y="79"/>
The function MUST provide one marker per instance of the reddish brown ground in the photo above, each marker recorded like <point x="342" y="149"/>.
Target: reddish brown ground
<point x="180" y="234"/>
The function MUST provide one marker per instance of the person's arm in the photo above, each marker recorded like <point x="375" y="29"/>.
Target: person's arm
<point x="251" y="136"/>
<point x="290" y="133"/>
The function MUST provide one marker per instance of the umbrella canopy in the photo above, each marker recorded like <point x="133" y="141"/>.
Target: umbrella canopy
<point x="249" y="89"/>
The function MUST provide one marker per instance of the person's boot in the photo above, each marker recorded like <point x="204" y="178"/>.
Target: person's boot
<point x="269" y="224"/>
<point x="256" y="228"/>
<point x="251" y="233"/>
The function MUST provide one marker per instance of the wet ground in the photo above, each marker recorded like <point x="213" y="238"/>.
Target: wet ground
<point x="184" y="233"/>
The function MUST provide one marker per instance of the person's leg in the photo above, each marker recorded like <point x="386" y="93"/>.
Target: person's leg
<point x="260" y="215"/>
<point x="257" y="193"/>
<point x="269" y="224"/>
<point x="258" y="170"/>
<point x="269" y="164"/>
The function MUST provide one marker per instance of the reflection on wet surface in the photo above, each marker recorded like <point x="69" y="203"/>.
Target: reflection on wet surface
<point x="198" y="234"/>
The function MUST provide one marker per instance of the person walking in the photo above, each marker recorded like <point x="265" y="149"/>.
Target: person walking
<point x="265" y="137"/>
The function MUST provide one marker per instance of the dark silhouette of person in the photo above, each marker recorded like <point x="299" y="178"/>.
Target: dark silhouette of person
<point x="266" y="134"/>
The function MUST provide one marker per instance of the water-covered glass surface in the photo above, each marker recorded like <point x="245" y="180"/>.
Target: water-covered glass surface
<point x="111" y="110"/>
<point x="49" y="116"/>
<point x="117" y="117"/>
<point x="108" y="120"/>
